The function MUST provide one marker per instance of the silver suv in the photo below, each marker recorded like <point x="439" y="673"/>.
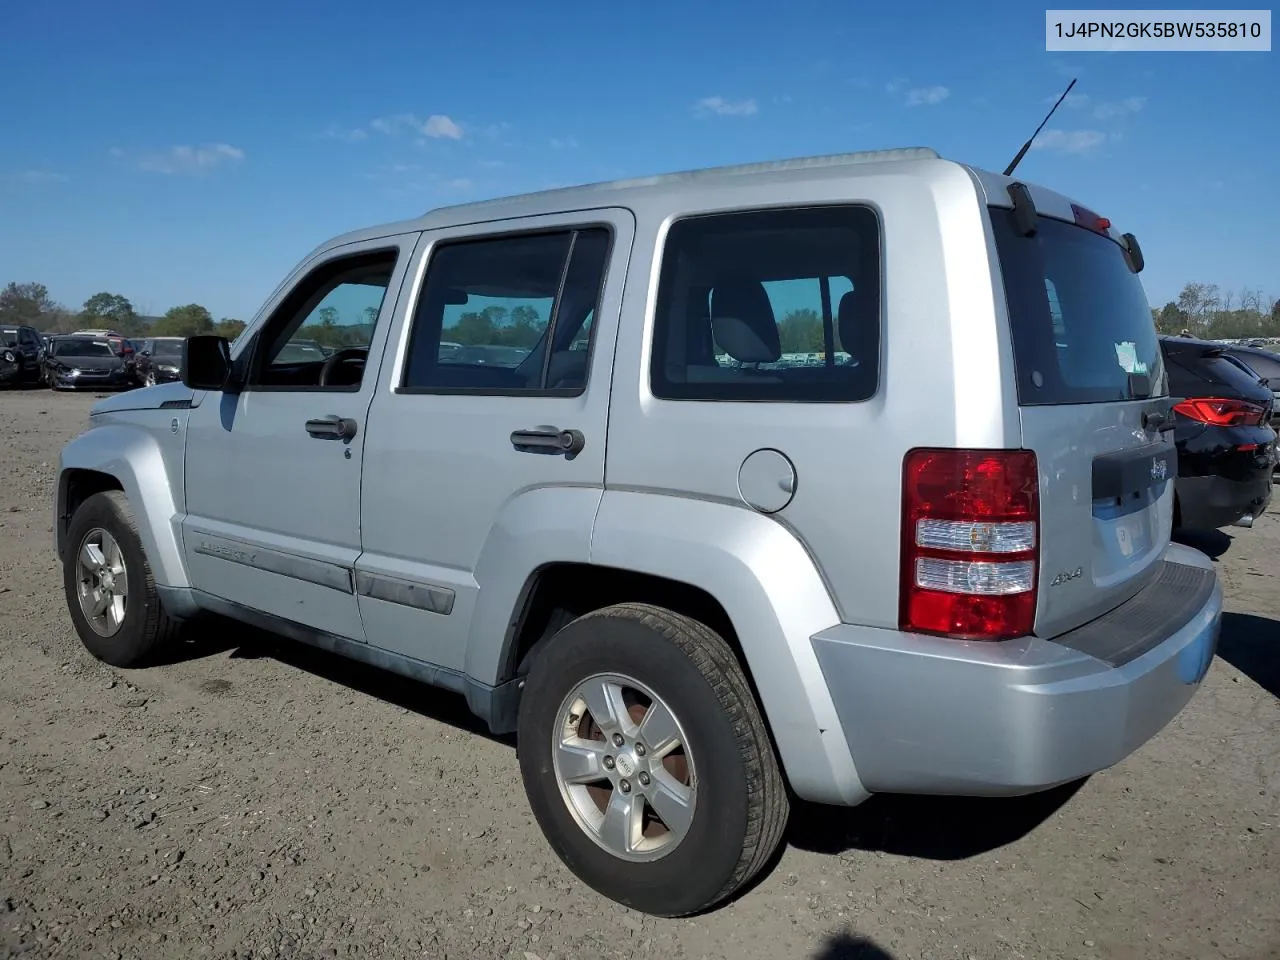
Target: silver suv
<point x="817" y="478"/>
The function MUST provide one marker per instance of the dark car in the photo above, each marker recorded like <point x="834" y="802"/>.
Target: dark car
<point x="21" y="355"/>
<point x="1265" y="365"/>
<point x="1226" y="447"/>
<point x="159" y="360"/>
<point x="94" y="362"/>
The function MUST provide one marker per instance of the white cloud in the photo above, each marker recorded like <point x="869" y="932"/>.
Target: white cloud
<point x="353" y="134"/>
<point x="1075" y="100"/>
<point x="927" y="96"/>
<point x="720" y="107"/>
<point x="1119" y="108"/>
<point x="564" y="143"/>
<point x="461" y="183"/>
<point x="40" y="176"/>
<point x="494" y="164"/>
<point x="1069" y="141"/>
<point x="188" y="159"/>
<point x="895" y="85"/>
<point x="438" y="125"/>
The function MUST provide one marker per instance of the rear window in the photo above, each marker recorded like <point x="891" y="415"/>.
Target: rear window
<point x="1195" y="373"/>
<point x="1080" y="321"/>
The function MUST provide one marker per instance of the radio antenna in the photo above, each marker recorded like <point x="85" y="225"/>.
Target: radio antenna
<point x="1008" y="171"/>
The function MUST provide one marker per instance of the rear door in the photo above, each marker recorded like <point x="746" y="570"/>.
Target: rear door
<point x="1091" y="389"/>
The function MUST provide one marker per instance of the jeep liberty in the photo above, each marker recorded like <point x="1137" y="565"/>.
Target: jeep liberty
<point x="816" y="478"/>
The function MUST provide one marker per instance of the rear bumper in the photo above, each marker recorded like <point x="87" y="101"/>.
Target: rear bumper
<point x="1207" y="503"/>
<point x="929" y="715"/>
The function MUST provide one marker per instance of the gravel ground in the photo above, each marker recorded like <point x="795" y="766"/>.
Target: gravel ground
<point x="257" y="799"/>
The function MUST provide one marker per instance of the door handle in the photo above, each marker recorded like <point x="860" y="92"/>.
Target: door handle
<point x="548" y="440"/>
<point x="332" y="428"/>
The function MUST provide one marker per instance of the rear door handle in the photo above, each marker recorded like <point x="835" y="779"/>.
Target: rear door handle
<point x="548" y="440"/>
<point x="332" y="428"/>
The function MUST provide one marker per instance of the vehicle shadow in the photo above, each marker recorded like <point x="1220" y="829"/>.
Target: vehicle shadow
<point x="200" y="638"/>
<point x="1212" y="543"/>
<point x="1251" y="644"/>
<point x="844" y="946"/>
<point x="930" y="827"/>
<point x="427" y="701"/>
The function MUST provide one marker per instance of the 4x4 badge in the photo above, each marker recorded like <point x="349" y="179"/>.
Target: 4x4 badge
<point x="1067" y="575"/>
<point x="1159" y="468"/>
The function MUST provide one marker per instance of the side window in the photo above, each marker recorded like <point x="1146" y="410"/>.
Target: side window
<point x="778" y="305"/>
<point x="508" y="314"/>
<point x="319" y="336"/>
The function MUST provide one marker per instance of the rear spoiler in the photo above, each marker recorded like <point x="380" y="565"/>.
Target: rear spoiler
<point x="1025" y="216"/>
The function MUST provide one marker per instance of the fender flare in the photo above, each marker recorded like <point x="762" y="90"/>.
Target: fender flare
<point x="776" y="599"/>
<point x="135" y="460"/>
<point x="537" y="527"/>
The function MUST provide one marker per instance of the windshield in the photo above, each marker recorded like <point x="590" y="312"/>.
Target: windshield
<point x="167" y="349"/>
<point x="8" y="338"/>
<point x="1080" y="321"/>
<point x="85" y="348"/>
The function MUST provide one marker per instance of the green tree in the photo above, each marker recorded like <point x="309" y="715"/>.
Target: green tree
<point x="801" y="332"/>
<point x="471" y="329"/>
<point x="229" y="327"/>
<point x="112" y="311"/>
<point x="187" y="320"/>
<point x="1170" y="318"/>
<point x="28" y="303"/>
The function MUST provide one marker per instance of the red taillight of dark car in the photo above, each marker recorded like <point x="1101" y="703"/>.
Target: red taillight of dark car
<point x="1220" y="412"/>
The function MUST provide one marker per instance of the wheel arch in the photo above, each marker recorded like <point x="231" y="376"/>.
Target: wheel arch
<point x="120" y="458"/>
<point x="745" y="576"/>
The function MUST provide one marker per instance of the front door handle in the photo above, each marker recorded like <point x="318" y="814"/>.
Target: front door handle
<point x="548" y="440"/>
<point x="332" y="428"/>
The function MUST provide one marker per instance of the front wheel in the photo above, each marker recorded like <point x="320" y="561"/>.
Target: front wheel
<point x="110" y="591"/>
<point x="646" y="760"/>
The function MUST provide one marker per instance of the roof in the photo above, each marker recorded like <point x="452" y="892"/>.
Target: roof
<point x="633" y="190"/>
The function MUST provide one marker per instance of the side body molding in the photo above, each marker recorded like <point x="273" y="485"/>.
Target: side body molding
<point x="146" y="473"/>
<point x="776" y="600"/>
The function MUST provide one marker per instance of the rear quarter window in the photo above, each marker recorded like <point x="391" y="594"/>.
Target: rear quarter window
<point x="778" y="305"/>
<point x="1078" y="316"/>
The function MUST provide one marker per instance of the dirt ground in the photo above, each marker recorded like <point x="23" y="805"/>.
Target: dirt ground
<point x="257" y="799"/>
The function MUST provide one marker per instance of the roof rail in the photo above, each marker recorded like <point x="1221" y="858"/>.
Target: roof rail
<point x="768" y="166"/>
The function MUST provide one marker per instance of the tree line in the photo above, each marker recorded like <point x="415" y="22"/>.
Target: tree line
<point x="1205" y="311"/>
<point x="30" y="303"/>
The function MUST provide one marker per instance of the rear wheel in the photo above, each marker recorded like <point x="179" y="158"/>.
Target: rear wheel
<point x="110" y="590"/>
<point x="646" y="761"/>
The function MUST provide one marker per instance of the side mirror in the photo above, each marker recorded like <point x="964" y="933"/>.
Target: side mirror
<point x="206" y="362"/>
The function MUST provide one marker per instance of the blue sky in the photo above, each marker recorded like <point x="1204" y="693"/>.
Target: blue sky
<point x="177" y="153"/>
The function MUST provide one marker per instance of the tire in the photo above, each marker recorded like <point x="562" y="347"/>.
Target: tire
<point x="129" y="633"/>
<point x="728" y="771"/>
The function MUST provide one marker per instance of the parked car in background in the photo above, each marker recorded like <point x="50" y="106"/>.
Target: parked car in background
<point x="21" y="354"/>
<point x="1265" y="365"/>
<point x="119" y="341"/>
<point x="1226" y="446"/>
<point x="159" y="360"/>
<point x="86" y="361"/>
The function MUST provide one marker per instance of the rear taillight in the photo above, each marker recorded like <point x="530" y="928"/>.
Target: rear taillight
<point x="1222" y="413"/>
<point x="970" y="543"/>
